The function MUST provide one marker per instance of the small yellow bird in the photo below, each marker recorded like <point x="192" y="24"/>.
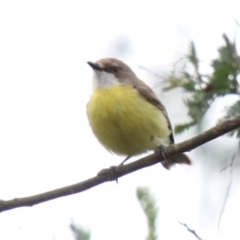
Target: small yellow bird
<point x="125" y="114"/>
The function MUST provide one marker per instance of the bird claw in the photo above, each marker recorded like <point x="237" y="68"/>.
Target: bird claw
<point x="110" y="172"/>
<point x="164" y="161"/>
<point x="163" y="153"/>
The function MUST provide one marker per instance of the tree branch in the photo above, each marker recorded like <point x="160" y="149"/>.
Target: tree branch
<point x="121" y="170"/>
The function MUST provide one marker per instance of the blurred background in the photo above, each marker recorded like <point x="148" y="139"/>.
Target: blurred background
<point x="45" y="139"/>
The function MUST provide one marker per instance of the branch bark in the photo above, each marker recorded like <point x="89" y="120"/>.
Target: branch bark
<point x="121" y="170"/>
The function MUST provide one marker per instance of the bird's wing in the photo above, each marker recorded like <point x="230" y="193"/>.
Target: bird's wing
<point x="151" y="97"/>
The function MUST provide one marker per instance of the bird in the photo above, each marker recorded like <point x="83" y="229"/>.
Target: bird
<point x="125" y="114"/>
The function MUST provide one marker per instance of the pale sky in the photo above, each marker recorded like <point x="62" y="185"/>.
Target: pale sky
<point x="45" y="140"/>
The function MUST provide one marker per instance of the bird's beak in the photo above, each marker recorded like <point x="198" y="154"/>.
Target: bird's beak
<point x="95" y="66"/>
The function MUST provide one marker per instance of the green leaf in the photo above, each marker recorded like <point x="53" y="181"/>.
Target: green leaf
<point x="79" y="232"/>
<point x="205" y="88"/>
<point x="232" y="112"/>
<point x="149" y="207"/>
<point x="182" y="127"/>
<point x="226" y="69"/>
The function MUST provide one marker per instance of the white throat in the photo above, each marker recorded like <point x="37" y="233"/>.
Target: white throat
<point x="104" y="80"/>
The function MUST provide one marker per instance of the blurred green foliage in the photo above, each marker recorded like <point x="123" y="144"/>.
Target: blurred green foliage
<point x="202" y="88"/>
<point x="233" y="111"/>
<point x="148" y="204"/>
<point x="79" y="232"/>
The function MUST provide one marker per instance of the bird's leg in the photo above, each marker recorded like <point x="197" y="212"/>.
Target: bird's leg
<point x="125" y="160"/>
<point x="167" y="162"/>
<point x="113" y="170"/>
<point x="163" y="153"/>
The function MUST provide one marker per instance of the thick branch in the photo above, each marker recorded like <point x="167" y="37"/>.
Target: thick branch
<point x="119" y="171"/>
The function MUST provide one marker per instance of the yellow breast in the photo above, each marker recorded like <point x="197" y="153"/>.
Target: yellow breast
<point x="124" y="122"/>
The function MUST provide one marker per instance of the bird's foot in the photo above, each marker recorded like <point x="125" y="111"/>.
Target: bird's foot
<point x="110" y="172"/>
<point x="125" y="160"/>
<point x="165" y="161"/>
<point x="163" y="153"/>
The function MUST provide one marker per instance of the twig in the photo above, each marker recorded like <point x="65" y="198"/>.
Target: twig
<point x="190" y="230"/>
<point x="106" y="175"/>
<point x="235" y="20"/>
<point x="152" y="72"/>
<point x="226" y="167"/>
<point x="231" y="165"/>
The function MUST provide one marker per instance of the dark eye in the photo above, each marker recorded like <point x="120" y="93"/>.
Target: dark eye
<point x="115" y="70"/>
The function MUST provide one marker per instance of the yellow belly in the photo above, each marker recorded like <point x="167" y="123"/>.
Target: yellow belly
<point x="124" y="122"/>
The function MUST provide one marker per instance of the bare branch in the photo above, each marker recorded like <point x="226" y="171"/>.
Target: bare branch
<point x="190" y="230"/>
<point x="121" y="170"/>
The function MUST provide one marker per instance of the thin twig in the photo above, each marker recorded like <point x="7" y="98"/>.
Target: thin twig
<point x="231" y="165"/>
<point x="152" y="72"/>
<point x="106" y="175"/>
<point x="226" y="167"/>
<point x="235" y="20"/>
<point x="190" y="230"/>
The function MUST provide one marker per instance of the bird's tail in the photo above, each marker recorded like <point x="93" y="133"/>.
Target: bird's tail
<point x="179" y="158"/>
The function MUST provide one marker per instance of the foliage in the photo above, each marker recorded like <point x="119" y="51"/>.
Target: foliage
<point x="79" y="232"/>
<point x="149" y="207"/>
<point x="204" y="89"/>
<point x="233" y="111"/>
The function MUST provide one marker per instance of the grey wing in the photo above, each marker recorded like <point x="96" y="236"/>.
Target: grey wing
<point x="151" y="97"/>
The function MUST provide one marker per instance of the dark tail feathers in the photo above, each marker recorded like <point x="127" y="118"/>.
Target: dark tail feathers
<point x="179" y="158"/>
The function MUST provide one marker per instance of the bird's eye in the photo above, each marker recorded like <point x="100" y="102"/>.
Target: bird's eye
<point x="115" y="70"/>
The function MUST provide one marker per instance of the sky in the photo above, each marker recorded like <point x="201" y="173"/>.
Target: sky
<point x="45" y="139"/>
